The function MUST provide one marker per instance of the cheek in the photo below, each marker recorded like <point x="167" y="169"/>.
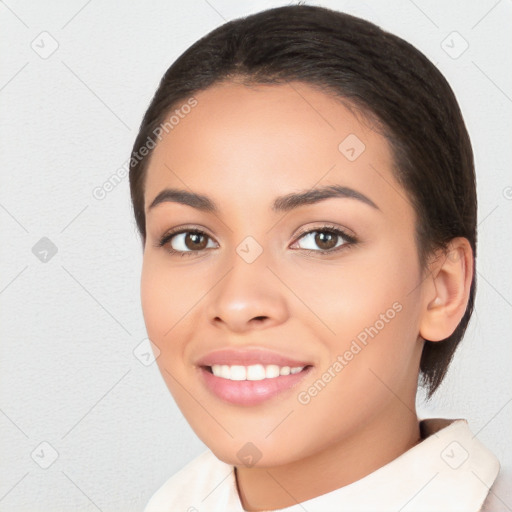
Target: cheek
<point x="166" y="301"/>
<point x="381" y="312"/>
<point x="345" y="297"/>
<point x="370" y="311"/>
<point x="376" y="334"/>
<point x="167" y="298"/>
<point x="164" y="292"/>
<point x="155" y="300"/>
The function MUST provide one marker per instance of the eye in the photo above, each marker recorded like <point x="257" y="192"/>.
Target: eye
<point x="186" y="241"/>
<point x="323" y="240"/>
<point x="326" y="239"/>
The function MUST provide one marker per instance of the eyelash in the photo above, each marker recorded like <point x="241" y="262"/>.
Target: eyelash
<point x="349" y="240"/>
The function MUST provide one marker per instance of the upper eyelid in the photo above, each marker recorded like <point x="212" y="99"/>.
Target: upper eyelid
<point x="326" y="227"/>
<point x="188" y="229"/>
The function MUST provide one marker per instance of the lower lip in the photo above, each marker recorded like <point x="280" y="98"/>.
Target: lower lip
<point x="251" y="392"/>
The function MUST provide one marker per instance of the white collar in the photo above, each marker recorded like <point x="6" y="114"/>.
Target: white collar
<point x="450" y="470"/>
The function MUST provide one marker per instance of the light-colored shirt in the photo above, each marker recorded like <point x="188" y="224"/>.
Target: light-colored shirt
<point x="449" y="470"/>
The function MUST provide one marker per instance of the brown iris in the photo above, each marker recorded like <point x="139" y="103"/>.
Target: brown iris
<point x="326" y="240"/>
<point x="196" y="241"/>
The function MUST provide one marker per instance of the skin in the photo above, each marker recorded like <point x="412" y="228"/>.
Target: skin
<point x="243" y="146"/>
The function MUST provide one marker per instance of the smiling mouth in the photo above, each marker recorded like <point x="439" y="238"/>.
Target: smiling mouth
<point x="253" y="372"/>
<point x="254" y="384"/>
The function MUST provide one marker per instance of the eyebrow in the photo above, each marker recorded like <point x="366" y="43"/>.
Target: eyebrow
<point x="281" y="204"/>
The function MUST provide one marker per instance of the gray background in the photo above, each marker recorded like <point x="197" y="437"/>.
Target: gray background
<point x="73" y="371"/>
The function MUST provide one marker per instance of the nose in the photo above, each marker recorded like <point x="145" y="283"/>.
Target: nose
<point x="249" y="296"/>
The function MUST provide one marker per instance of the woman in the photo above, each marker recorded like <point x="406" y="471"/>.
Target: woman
<point x="304" y="187"/>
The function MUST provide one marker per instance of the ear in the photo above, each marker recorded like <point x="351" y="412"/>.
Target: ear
<point x="446" y="290"/>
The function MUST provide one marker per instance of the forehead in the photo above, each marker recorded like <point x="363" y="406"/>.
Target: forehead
<point x="250" y="144"/>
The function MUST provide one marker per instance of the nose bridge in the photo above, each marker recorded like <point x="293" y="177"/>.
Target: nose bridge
<point x="248" y="293"/>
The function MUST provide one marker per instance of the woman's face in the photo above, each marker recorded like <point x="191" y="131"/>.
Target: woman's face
<point x="253" y="293"/>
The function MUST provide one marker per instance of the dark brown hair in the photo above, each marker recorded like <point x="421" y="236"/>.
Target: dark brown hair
<point x="378" y="74"/>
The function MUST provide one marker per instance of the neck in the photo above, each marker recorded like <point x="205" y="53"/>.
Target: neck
<point x="350" y="459"/>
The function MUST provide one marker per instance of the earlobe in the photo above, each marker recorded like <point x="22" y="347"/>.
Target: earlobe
<point x="446" y="291"/>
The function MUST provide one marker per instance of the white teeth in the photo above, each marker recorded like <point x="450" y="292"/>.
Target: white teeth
<point x="238" y="372"/>
<point x="224" y="371"/>
<point x="253" y="372"/>
<point x="272" y="371"/>
<point x="256" y="372"/>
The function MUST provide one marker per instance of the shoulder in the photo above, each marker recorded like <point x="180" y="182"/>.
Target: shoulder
<point x="182" y="490"/>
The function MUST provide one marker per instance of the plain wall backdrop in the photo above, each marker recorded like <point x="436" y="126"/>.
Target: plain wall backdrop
<point x="86" y="422"/>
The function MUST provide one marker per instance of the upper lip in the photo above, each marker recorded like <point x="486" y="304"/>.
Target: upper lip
<point x="248" y="357"/>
